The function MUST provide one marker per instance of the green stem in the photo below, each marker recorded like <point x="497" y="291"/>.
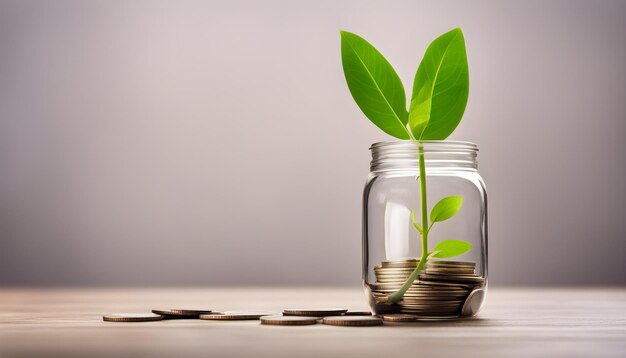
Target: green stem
<point x="411" y="136"/>
<point x="397" y="296"/>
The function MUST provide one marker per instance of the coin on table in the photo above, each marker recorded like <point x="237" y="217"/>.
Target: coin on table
<point x="354" y="321"/>
<point x="473" y="302"/>
<point x="288" y="320"/>
<point x="169" y="314"/>
<point x="235" y="315"/>
<point x="182" y="314"/>
<point x="358" y="313"/>
<point x="132" y="317"/>
<point x="399" y="317"/>
<point x="189" y="311"/>
<point x="317" y="312"/>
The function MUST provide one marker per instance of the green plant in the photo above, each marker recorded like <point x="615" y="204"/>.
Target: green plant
<point x="438" y="100"/>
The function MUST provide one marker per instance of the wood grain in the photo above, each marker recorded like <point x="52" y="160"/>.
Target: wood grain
<point x="513" y="323"/>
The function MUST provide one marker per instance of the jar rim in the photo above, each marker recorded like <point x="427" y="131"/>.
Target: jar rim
<point x="432" y="144"/>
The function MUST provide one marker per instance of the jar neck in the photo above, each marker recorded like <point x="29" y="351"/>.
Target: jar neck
<point x="404" y="155"/>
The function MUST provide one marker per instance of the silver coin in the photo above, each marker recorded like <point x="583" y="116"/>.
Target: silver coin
<point x="473" y="302"/>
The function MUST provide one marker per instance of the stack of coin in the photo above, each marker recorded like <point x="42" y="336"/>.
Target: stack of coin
<point x="440" y="290"/>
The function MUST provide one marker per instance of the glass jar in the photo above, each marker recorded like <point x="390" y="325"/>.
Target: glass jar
<point x="392" y="245"/>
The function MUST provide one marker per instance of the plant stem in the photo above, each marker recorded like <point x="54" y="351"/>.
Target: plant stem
<point x="397" y="296"/>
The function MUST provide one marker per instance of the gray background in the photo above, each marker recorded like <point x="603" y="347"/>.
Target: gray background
<point x="159" y="143"/>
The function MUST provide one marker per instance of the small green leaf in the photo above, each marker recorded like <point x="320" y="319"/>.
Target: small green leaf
<point x="446" y="208"/>
<point x="451" y="248"/>
<point x="440" y="88"/>
<point x="374" y="85"/>
<point x="415" y="224"/>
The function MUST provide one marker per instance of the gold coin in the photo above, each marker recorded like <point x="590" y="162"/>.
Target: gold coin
<point x="355" y="321"/>
<point x="288" y="320"/>
<point x="131" y="317"/>
<point x="399" y="317"/>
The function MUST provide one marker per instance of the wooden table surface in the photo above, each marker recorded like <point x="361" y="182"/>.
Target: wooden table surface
<point x="513" y="323"/>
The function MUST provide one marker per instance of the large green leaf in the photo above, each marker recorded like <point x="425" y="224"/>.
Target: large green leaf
<point x="446" y="208"/>
<point x="440" y="88"/>
<point x="374" y="85"/>
<point x="451" y="248"/>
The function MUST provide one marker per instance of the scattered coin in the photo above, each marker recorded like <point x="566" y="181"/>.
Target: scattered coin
<point x="355" y="321"/>
<point x="318" y="312"/>
<point x="169" y="314"/>
<point x="191" y="311"/>
<point x="132" y="317"/>
<point x="399" y="317"/>
<point x="288" y="320"/>
<point x="358" y="313"/>
<point x="473" y="302"/>
<point x="235" y="315"/>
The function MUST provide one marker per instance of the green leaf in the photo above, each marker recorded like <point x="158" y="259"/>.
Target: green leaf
<point x="440" y="88"/>
<point x="374" y="85"/>
<point x="446" y="208"/>
<point x="451" y="248"/>
<point x="415" y="224"/>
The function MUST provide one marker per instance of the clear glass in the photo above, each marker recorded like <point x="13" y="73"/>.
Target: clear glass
<point x="392" y="245"/>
